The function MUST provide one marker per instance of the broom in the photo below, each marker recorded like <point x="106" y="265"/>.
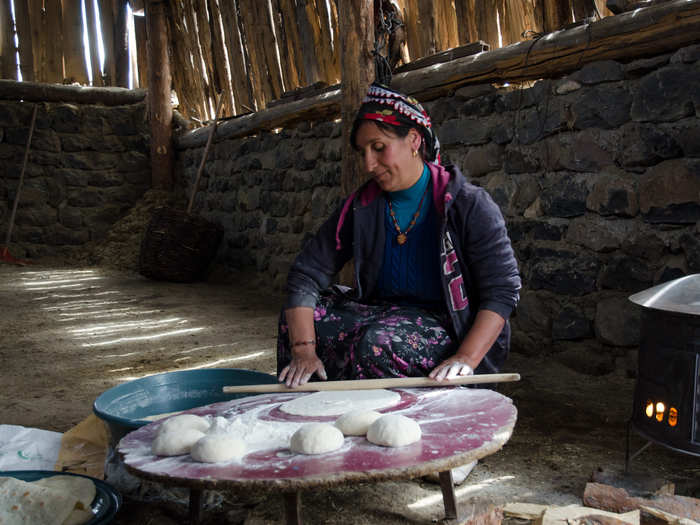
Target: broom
<point x="5" y="255"/>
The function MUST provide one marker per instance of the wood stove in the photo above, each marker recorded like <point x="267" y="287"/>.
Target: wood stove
<point x="667" y="393"/>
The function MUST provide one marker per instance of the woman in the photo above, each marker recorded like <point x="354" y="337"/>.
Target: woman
<point x="435" y="274"/>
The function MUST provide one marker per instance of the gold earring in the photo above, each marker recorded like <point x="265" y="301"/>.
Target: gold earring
<point x="415" y="153"/>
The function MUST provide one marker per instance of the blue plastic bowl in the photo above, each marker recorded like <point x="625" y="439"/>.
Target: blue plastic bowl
<point x="123" y="407"/>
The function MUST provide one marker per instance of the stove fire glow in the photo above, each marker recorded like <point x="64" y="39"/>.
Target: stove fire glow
<point x="657" y="410"/>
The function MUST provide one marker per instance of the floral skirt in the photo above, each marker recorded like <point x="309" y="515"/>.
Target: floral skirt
<point x="364" y="341"/>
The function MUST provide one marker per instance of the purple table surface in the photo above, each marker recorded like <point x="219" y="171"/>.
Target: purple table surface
<point x="458" y="425"/>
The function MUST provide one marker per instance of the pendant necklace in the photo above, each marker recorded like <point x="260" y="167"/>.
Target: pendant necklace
<point x="401" y="237"/>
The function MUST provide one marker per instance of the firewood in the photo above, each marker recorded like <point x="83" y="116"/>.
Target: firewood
<point x="672" y="519"/>
<point x="618" y="500"/>
<point x="622" y="6"/>
<point x="565" y="515"/>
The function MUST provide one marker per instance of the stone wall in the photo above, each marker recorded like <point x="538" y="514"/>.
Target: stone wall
<point x="87" y="166"/>
<point x="597" y="174"/>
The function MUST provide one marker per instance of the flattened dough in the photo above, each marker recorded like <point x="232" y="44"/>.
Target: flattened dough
<point x="215" y="448"/>
<point x="82" y="488"/>
<point x="394" y="430"/>
<point x="337" y="402"/>
<point x="22" y="503"/>
<point x="316" y="438"/>
<point x="356" y="422"/>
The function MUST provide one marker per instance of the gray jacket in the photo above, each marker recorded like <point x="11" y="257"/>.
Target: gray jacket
<point x="479" y="270"/>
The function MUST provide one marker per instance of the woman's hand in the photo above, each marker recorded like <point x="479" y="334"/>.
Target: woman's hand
<point x="303" y="365"/>
<point x="451" y="368"/>
<point x="473" y="348"/>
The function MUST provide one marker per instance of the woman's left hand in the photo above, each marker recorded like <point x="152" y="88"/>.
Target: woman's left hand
<point x="451" y="368"/>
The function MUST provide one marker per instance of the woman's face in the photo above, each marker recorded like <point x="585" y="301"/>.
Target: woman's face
<point x="388" y="158"/>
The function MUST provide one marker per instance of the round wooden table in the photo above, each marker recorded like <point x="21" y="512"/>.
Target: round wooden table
<point x="458" y="426"/>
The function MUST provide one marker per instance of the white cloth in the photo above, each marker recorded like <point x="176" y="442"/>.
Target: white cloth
<point x="23" y="448"/>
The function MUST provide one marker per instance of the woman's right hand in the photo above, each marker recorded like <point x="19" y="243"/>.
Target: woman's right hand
<point x="303" y="365"/>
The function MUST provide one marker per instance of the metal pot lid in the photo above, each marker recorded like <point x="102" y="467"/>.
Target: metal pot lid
<point x="680" y="295"/>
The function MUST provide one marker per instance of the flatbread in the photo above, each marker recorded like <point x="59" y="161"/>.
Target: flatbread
<point x="82" y="488"/>
<point x="56" y="500"/>
<point x="26" y="503"/>
<point x="337" y="402"/>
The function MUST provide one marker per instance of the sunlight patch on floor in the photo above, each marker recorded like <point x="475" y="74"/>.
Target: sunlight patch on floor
<point x="468" y="488"/>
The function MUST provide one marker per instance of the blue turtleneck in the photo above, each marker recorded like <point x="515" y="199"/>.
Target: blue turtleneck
<point x="410" y="272"/>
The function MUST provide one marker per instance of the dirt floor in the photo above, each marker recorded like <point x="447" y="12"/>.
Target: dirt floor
<point x="68" y="333"/>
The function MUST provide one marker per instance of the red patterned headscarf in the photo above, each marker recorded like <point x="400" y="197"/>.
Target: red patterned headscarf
<point x="385" y="105"/>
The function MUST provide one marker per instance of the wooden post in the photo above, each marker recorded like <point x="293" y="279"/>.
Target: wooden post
<point x="121" y="44"/>
<point x="91" y="23"/>
<point x="356" y="29"/>
<point x="141" y="58"/>
<point x="159" y="106"/>
<point x="8" y="64"/>
<point x="37" y="23"/>
<point x="108" y="26"/>
<point x="242" y="88"/>
<point x="24" y="35"/>
<point x="74" y="58"/>
<point x="54" y="36"/>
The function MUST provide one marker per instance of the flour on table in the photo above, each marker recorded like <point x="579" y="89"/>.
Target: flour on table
<point x="334" y="403"/>
<point x="217" y="447"/>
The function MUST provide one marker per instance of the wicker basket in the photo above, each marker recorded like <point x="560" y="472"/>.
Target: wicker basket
<point x="178" y="246"/>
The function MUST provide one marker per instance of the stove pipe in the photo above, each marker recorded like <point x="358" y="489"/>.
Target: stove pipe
<point x="667" y="392"/>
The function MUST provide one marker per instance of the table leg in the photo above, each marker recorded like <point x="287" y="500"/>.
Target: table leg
<point x="449" y="497"/>
<point x="195" y="509"/>
<point x="292" y="507"/>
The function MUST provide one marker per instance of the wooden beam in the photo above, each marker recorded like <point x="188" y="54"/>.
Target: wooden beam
<point x="8" y="64"/>
<point x="37" y="24"/>
<point x="286" y="31"/>
<point x="557" y="13"/>
<point x="38" y="92"/>
<point x="222" y="75"/>
<point x="93" y="39"/>
<point x="445" y="56"/>
<point x="357" y="69"/>
<point x="242" y="87"/>
<point x="646" y="32"/>
<point x="140" y="35"/>
<point x="121" y="44"/>
<point x="312" y="72"/>
<point x="24" y="35"/>
<point x="465" y="22"/>
<point x="73" y="56"/>
<point x="54" y="36"/>
<point x="204" y="34"/>
<point x="414" y="38"/>
<point x="108" y="27"/>
<point x="256" y="66"/>
<point x="159" y="107"/>
<point x="485" y="20"/>
<point x="193" y="54"/>
<point x="519" y="17"/>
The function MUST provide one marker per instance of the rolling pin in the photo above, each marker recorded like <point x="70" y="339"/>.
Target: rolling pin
<point x="370" y="384"/>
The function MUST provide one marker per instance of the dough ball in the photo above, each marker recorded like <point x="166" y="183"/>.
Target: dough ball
<point x="214" y="448"/>
<point x="393" y="430"/>
<point x="356" y="422"/>
<point x="175" y="443"/>
<point x="183" y="422"/>
<point x="316" y="438"/>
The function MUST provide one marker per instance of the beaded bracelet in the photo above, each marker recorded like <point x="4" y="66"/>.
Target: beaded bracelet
<point x="304" y="343"/>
